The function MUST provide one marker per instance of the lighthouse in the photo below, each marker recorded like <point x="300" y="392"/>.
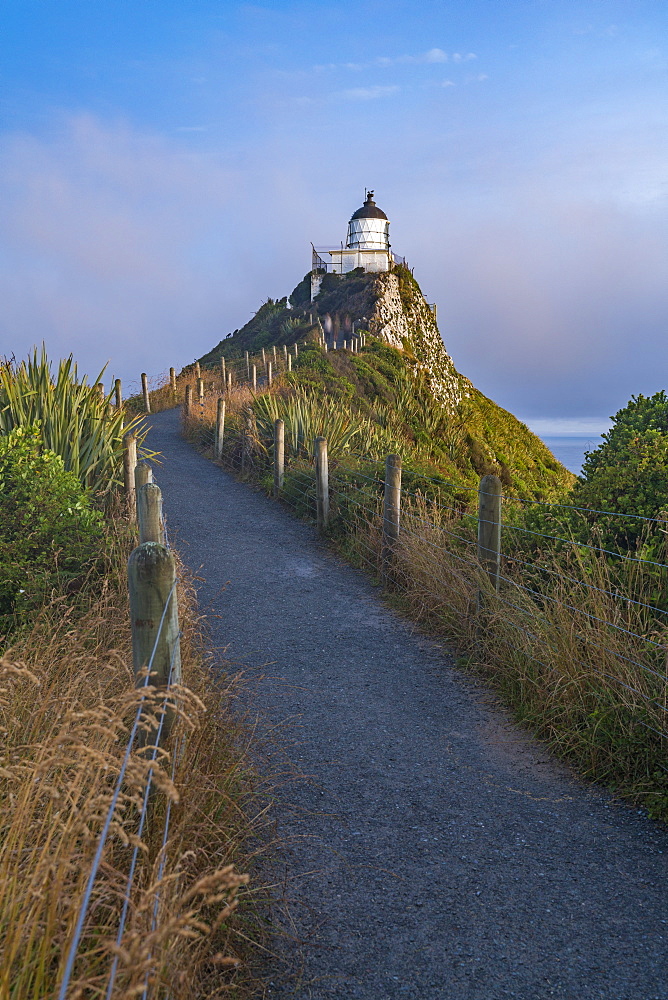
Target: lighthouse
<point x="367" y="246"/>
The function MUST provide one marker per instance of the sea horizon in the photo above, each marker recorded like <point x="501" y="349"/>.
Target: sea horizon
<point x="569" y="438"/>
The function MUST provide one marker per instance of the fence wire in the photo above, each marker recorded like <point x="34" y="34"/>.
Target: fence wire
<point x="85" y="903"/>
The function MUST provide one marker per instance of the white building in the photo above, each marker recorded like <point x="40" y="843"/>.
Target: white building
<point x="367" y="246"/>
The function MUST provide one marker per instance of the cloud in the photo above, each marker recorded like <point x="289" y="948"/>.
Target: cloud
<point x="434" y="56"/>
<point x="553" y="306"/>
<point x="431" y="56"/>
<point x="544" y="248"/>
<point x="368" y="93"/>
<point x="105" y="230"/>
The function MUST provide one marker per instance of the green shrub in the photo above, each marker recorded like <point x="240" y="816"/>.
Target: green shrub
<point x="628" y="474"/>
<point x="49" y="533"/>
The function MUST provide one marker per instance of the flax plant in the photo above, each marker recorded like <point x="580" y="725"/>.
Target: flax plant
<point x="310" y="415"/>
<point x="76" y="421"/>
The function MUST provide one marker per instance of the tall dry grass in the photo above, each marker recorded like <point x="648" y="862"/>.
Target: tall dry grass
<point x="581" y="658"/>
<point x="67" y="701"/>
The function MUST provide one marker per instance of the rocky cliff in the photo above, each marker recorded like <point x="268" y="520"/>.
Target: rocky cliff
<point x="401" y="317"/>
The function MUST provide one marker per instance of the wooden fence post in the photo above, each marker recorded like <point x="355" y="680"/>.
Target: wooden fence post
<point x="274" y="349"/>
<point x="119" y="393"/>
<point x="129" y="465"/>
<point x="489" y="527"/>
<point x="296" y="350"/>
<point x="391" y="511"/>
<point x="144" y="389"/>
<point x="220" y="428"/>
<point x="321" y="482"/>
<point x="264" y="357"/>
<point x="172" y="379"/>
<point x="229" y="381"/>
<point x="279" y="456"/>
<point x="200" y="392"/>
<point x="269" y="373"/>
<point x="285" y="353"/>
<point x="247" y="366"/>
<point x="222" y="369"/>
<point x="154" y="620"/>
<point x="289" y="362"/>
<point x="143" y="475"/>
<point x="254" y="377"/>
<point x="198" y="373"/>
<point x="188" y="401"/>
<point x="246" y="441"/>
<point x="149" y="513"/>
<point x="324" y="346"/>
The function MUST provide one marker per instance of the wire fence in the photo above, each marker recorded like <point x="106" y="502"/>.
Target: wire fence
<point x="151" y="742"/>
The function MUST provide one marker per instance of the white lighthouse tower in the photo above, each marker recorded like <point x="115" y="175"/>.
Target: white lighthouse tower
<point x="369" y="229"/>
<point x="367" y="246"/>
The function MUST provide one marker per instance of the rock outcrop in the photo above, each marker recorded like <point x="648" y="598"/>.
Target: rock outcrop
<point x="402" y="317"/>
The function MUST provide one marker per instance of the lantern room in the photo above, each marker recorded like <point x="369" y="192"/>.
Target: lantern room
<point x="369" y="228"/>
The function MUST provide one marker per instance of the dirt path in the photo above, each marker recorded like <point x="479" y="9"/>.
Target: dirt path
<point x="436" y="852"/>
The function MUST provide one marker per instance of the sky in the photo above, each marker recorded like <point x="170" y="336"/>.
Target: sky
<point x="164" y="167"/>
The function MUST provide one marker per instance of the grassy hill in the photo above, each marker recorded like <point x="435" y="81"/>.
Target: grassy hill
<point x="403" y="383"/>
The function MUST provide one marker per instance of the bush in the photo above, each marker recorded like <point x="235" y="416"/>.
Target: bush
<point x="49" y="533"/>
<point x="628" y="474"/>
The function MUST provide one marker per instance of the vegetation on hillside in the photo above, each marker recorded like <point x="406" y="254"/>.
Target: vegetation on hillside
<point x="576" y="637"/>
<point x="388" y="395"/>
<point x="477" y="437"/>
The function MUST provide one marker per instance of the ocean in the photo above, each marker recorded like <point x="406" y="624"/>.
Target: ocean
<point x="570" y="449"/>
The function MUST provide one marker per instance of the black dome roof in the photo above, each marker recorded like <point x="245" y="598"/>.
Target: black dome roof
<point x="369" y="210"/>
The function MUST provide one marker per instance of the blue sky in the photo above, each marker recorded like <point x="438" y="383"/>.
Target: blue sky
<point x="164" y="167"/>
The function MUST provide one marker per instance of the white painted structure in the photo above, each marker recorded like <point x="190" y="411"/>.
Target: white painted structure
<point x="367" y="246"/>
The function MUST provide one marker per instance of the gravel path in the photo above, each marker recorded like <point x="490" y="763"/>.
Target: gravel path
<point x="436" y="850"/>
